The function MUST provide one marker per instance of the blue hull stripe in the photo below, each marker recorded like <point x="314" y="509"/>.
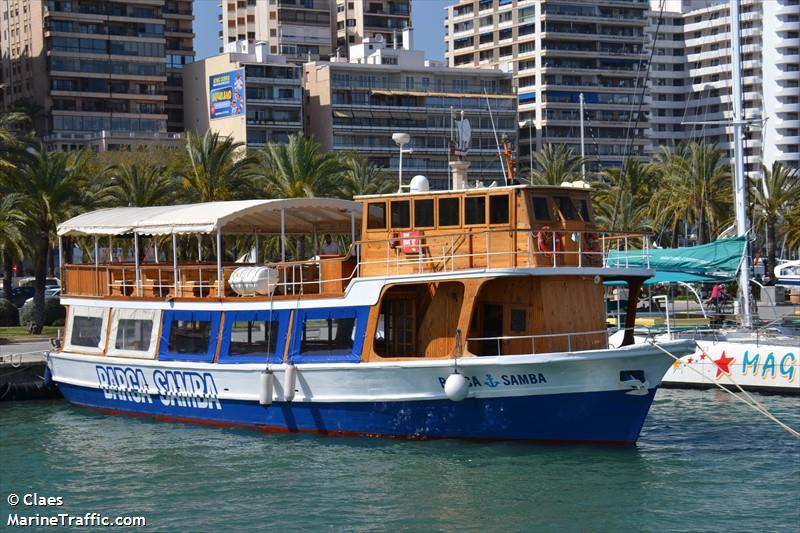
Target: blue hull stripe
<point x="596" y="417"/>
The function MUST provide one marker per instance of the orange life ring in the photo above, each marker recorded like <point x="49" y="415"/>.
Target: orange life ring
<point x="544" y="240"/>
<point x="592" y="242"/>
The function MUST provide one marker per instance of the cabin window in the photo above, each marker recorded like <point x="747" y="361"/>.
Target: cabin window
<point x="498" y="209"/>
<point x="328" y="335"/>
<point x="395" y="334"/>
<point x="449" y="212"/>
<point x="189" y="335"/>
<point x="253" y="336"/>
<point x="401" y="214"/>
<point x="423" y="213"/>
<point x="475" y="210"/>
<point x="583" y="206"/>
<point x="376" y="215"/>
<point x="87" y="329"/>
<point x="540" y="210"/>
<point x="133" y="332"/>
<point x="519" y="320"/>
<point x="566" y="207"/>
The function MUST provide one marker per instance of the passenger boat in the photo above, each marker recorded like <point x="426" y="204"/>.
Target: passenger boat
<point x="473" y="313"/>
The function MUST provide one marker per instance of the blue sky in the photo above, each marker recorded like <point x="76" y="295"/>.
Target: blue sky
<point x="428" y="22"/>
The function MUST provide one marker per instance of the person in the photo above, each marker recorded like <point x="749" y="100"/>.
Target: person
<point x="329" y="246"/>
<point x="717" y="295"/>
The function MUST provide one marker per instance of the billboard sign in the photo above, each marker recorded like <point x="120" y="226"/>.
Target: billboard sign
<point x="226" y="94"/>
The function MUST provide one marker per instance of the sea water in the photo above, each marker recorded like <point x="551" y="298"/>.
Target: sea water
<point x="704" y="462"/>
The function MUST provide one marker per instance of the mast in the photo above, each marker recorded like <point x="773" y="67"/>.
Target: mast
<point x="583" y="149"/>
<point x="740" y="180"/>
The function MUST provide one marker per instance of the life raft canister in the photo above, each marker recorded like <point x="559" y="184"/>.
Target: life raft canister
<point x="544" y="240"/>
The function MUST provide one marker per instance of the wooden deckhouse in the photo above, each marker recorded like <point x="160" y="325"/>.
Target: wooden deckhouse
<point x="485" y="271"/>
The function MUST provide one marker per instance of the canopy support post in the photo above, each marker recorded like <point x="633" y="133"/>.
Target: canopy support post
<point x="96" y="266"/>
<point x="175" y="263"/>
<point x="60" y="257"/>
<point x="352" y="228"/>
<point x="155" y="247"/>
<point x="256" y="246"/>
<point x="136" y="263"/>
<point x="283" y="235"/>
<point x="219" y="262"/>
<point x="199" y="249"/>
<point x="110" y="249"/>
<point x="314" y="235"/>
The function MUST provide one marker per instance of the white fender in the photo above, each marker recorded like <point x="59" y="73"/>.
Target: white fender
<point x="289" y="381"/>
<point x="265" y="388"/>
<point x="456" y="387"/>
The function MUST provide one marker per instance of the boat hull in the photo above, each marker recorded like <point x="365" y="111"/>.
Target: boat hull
<point x="584" y="397"/>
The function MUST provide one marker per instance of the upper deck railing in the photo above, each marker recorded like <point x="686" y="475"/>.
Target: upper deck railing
<point x="404" y="253"/>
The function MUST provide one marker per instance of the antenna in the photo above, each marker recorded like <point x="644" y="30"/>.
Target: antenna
<point x="496" y="140"/>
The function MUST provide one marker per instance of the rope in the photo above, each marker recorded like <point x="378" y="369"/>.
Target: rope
<point x="755" y="404"/>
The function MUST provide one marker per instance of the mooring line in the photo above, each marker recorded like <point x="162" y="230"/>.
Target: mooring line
<point x="759" y="407"/>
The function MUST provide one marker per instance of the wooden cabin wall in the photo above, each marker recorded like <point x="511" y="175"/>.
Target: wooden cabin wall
<point x="438" y="325"/>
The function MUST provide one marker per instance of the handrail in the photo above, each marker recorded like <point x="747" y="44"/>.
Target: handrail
<point x="533" y="338"/>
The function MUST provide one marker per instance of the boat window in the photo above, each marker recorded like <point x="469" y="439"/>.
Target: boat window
<point x="401" y="214"/>
<point x="328" y="335"/>
<point x="395" y="334"/>
<point x="475" y="210"/>
<point x="498" y="209"/>
<point x="566" y="207"/>
<point x="449" y="212"/>
<point x="133" y="332"/>
<point x="423" y="213"/>
<point x="519" y="320"/>
<point x="250" y="336"/>
<point x="189" y="335"/>
<point x="540" y="209"/>
<point x="86" y="331"/>
<point x="376" y="215"/>
<point x="87" y="328"/>
<point x="583" y="206"/>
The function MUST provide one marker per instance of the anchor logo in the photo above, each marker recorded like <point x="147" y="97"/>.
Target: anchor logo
<point x="490" y="382"/>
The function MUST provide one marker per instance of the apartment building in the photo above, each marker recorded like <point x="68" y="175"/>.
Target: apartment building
<point x="365" y="19"/>
<point x="558" y="50"/>
<point x="103" y="74"/>
<point x="770" y="47"/>
<point x="357" y="105"/>
<point x="266" y="106"/>
<point x="306" y="30"/>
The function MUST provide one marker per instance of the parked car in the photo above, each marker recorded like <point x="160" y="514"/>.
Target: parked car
<point x="28" y="282"/>
<point x="19" y="295"/>
<point x="48" y="292"/>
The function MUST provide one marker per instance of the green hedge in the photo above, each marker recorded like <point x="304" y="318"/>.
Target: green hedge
<point x="53" y="312"/>
<point x="9" y="314"/>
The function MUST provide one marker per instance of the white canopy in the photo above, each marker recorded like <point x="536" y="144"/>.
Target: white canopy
<point x="301" y="215"/>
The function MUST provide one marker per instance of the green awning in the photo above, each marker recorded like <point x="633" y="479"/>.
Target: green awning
<point x="719" y="259"/>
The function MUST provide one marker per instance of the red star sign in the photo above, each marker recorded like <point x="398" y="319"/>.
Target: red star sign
<point x="723" y="365"/>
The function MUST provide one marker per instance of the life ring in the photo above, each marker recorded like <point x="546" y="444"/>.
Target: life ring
<point x="592" y="242"/>
<point x="544" y="240"/>
<point x="411" y="242"/>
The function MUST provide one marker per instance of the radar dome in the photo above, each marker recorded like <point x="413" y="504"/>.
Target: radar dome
<point x="419" y="183"/>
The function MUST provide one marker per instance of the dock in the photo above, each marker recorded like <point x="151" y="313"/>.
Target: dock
<point x="22" y="370"/>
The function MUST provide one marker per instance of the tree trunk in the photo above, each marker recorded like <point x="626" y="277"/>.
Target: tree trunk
<point x="40" y="275"/>
<point x="8" y="273"/>
<point x="769" y="258"/>
<point x="51" y="262"/>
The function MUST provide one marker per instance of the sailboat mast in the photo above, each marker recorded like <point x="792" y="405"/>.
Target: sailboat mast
<point x="740" y="180"/>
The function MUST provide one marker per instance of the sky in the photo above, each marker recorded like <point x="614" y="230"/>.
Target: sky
<point x="427" y="21"/>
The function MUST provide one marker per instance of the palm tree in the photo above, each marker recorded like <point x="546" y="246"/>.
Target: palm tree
<point x="622" y="196"/>
<point x="362" y="177"/>
<point x="218" y="169"/>
<point x="11" y="219"/>
<point x="695" y="187"/>
<point x="52" y="187"/>
<point x="299" y="169"/>
<point x="138" y="185"/>
<point x="10" y="142"/>
<point x="773" y="198"/>
<point x="792" y="236"/>
<point x="555" y="164"/>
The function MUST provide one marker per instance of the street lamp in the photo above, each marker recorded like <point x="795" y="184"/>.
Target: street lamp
<point x="401" y="139"/>
<point x="529" y="124"/>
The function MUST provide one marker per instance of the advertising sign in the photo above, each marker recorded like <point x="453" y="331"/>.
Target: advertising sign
<point x="226" y="94"/>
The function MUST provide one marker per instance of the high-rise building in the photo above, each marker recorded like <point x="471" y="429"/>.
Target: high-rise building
<point x="357" y="105"/>
<point x="366" y="19"/>
<point x="266" y="105"/>
<point x="770" y="48"/>
<point x="102" y="74"/>
<point x="304" y="30"/>
<point x="558" y="50"/>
